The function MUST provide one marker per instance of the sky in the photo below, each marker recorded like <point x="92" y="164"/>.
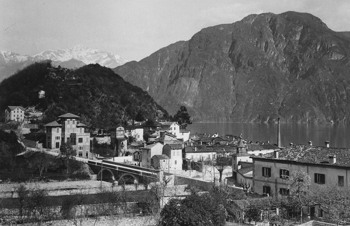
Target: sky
<point x="135" y="29"/>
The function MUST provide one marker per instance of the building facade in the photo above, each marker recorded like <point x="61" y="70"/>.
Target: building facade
<point x="68" y="129"/>
<point x="14" y="113"/>
<point x="325" y="167"/>
<point x="148" y="152"/>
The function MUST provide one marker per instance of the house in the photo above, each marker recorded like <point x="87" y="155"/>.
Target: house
<point x="325" y="166"/>
<point x="174" y="153"/>
<point x="207" y="153"/>
<point x="160" y="162"/>
<point x="135" y="131"/>
<point x="174" y="128"/>
<point x="68" y="129"/>
<point x="14" y="113"/>
<point x="149" y="151"/>
<point x="184" y="135"/>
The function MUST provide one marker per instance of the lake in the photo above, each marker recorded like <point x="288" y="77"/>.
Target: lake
<point x="338" y="135"/>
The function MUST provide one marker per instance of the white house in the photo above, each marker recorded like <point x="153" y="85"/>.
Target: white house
<point x="14" y="113"/>
<point x="174" y="152"/>
<point x="149" y="151"/>
<point x="135" y="132"/>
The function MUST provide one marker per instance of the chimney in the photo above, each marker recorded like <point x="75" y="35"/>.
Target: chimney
<point x="310" y="143"/>
<point x="276" y="154"/>
<point x="326" y="143"/>
<point x="332" y="159"/>
<point x="278" y="133"/>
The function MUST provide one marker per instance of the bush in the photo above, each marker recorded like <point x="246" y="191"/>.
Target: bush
<point x="193" y="210"/>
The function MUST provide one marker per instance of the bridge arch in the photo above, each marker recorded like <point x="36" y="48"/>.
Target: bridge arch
<point x="106" y="174"/>
<point x="128" y="178"/>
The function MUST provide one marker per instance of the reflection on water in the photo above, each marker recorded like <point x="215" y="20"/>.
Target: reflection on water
<point x="290" y="133"/>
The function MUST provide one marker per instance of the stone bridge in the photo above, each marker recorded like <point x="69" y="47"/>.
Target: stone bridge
<point x="123" y="173"/>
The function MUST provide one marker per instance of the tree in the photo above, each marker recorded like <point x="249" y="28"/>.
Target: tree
<point x="182" y="117"/>
<point x="67" y="152"/>
<point x="299" y="183"/>
<point x="335" y="201"/>
<point x="221" y="163"/>
<point x="193" y="210"/>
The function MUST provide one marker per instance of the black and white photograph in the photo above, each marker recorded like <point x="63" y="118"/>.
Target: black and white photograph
<point x="175" y="112"/>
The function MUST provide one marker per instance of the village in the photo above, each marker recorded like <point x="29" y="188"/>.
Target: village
<point x="169" y="151"/>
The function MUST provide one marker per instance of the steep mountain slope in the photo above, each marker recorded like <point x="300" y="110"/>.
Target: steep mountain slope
<point x="97" y="94"/>
<point x="265" y="66"/>
<point x="73" y="58"/>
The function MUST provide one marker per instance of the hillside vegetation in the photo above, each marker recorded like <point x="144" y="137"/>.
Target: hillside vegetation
<point x="101" y="97"/>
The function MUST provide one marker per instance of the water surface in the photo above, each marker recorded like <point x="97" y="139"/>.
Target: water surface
<point x="338" y="135"/>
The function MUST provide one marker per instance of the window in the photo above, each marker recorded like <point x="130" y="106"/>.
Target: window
<point x="175" y="162"/>
<point x="58" y="138"/>
<point x="266" y="172"/>
<point x="80" y="148"/>
<point x="87" y="154"/>
<point x="80" y="154"/>
<point x="341" y="181"/>
<point x="284" y="191"/>
<point x="58" y="130"/>
<point x="284" y="174"/>
<point x="266" y="190"/>
<point x="80" y="140"/>
<point x="320" y="178"/>
<point x="57" y="145"/>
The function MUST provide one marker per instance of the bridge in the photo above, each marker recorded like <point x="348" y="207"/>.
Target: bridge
<point x="112" y="171"/>
<point x="121" y="172"/>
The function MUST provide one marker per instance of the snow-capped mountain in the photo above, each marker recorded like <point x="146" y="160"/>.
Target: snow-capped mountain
<point x="11" y="62"/>
<point x="85" y="55"/>
<point x="75" y="57"/>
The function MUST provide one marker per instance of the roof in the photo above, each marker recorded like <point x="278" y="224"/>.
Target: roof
<point x="53" y="124"/>
<point x="215" y="148"/>
<point x="260" y="146"/>
<point x="14" y="107"/>
<point x="81" y="125"/>
<point x="160" y="157"/>
<point x="151" y="146"/>
<point x="311" y="155"/>
<point x="174" y="146"/>
<point x="68" y="115"/>
<point x="246" y="170"/>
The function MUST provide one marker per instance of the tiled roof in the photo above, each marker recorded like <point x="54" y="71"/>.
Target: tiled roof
<point x="215" y="148"/>
<point x="175" y="146"/>
<point x="245" y="170"/>
<point x="312" y="154"/>
<point x="68" y="115"/>
<point x="260" y="146"/>
<point x="14" y="107"/>
<point x="151" y="146"/>
<point x="160" y="157"/>
<point x="53" y="124"/>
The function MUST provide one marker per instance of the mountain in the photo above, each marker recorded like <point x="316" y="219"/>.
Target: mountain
<point x="70" y="64"/>
<point x="69" y="58"/>
<point x="11" y="62"/>
<point x="101" y="97"/>
<point x="83" y="54"/>
<point x="266" y="66"/>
